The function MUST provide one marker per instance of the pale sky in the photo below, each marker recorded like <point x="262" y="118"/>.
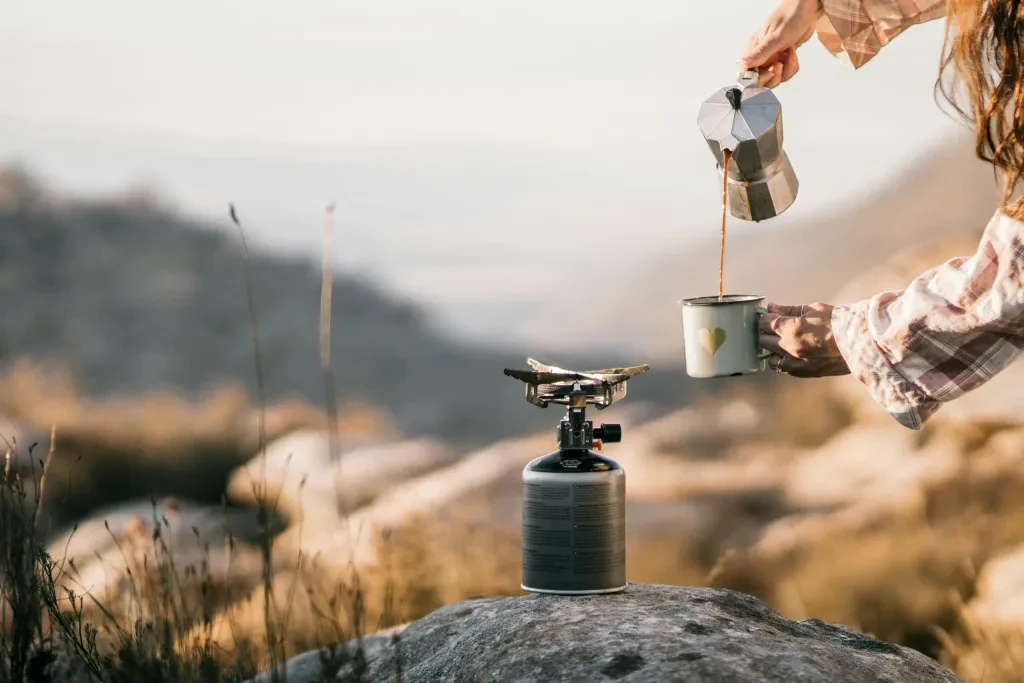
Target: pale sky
<point x="470" y="144"/>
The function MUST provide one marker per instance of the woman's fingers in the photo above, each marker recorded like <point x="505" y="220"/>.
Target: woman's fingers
<point x="784" y="310"/>
<point x="763" y="47"/>
<point x="770" y="76"/>
<point x="784" y="363"/>
<point x="790" y="65"/>
<point x="766" y="323"/>
<point x="792" y="366"/>
<point x="784" y="326"/>
<point x="752" y="57"/>
<point x="769" y="342"/>
<point x="772" y="50"/>
<point x="775" y="78"/>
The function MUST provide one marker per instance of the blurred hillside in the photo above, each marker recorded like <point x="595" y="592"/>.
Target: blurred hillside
<point x="942" y="194"/>
<point x="128" y="297"/>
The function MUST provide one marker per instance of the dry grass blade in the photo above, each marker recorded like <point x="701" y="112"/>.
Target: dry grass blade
<point x="274" y="638"/>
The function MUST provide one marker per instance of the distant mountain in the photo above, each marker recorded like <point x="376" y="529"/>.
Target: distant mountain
<point x="130" y="297"/>
<point x="942" y="194"/>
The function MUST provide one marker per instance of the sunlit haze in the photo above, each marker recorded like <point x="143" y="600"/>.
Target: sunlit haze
<point x="475" y="149"/>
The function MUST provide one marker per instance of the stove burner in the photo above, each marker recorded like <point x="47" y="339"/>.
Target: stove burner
<point x="547" y="384"/>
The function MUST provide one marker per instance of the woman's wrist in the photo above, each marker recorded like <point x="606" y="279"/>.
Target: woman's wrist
<point x="814" y="7"/>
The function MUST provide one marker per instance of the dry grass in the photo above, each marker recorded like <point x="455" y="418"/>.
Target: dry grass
<point x="160" y="628"/>
<point x="984" y="655"/>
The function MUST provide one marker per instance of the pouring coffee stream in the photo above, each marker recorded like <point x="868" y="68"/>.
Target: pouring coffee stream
<point x="742" y="125"/>
<point x="725" y="218"/>
<point x="734" y="95"/>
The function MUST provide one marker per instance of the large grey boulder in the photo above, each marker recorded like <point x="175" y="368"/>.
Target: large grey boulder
<point x="647" y="634"/>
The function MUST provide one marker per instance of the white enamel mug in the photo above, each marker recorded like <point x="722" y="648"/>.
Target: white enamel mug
<point x="720" y="337"/>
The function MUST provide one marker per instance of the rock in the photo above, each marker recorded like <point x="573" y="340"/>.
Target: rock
<point x="788" y="536"/>
<point x="355" y="539"/>
<point x="98" y="555"/>
<point x="649" y="633"/>
<point x="1002" y="457"/>
<point x="686" y="453"/>
<point x="56" y="662"/>
<point x="303" y="479"/>
<point x="27" y="448"/>
<point x="868" y="462"/>
<point x="213" y="524"/>
<point x="989" y="632"/>
<point x="692" y="430"/>
<point x="309" y="666"/>
<point x="999" y="594"/>
<point x="663" y="477"/>
<point x="300" y="603"/>
<point x="866" y="477"/>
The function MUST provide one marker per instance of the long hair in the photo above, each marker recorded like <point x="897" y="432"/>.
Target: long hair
<point x="984" y="54"/>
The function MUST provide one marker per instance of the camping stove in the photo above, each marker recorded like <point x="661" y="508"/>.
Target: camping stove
<point x="574" y="499"/>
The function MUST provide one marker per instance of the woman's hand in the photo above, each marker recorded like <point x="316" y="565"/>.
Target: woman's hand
<point x="801" y="339"/>
<point x="772" y="49"/>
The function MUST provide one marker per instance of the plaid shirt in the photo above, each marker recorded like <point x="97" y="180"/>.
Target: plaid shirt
<point x="951" y="330"/>
<point x="955" y="326"/>
<point x="855" y="30"/>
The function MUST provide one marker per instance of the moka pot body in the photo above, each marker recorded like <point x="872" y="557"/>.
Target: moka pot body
<point x="746" y="121"/>
<point x="574" y="524"/>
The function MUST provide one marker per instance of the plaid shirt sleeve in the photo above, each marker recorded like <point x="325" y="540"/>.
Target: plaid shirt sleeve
<point x="947" y="333"/>
<point x="855" y="30"/>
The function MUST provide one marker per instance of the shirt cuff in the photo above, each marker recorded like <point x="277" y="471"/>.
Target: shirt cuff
<point x="854" y="43"/>
<point x="886" y="386"/>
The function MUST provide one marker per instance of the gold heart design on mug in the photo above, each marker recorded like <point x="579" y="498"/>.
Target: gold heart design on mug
<point x="711" y="340"/>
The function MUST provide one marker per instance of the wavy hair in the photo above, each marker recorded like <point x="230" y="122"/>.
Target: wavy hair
<point x="984" y="55"/>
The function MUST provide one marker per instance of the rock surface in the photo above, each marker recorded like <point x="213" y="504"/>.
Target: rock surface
<point x="999" y="601"/>
<point x="649" y="633"/>
<point x="302" y="478"/>
<point x="355" y="540"/>
<point x="309" y="667"/>
<point x="100" y="554"/>
<point x="23" y="450"/>
<point x="55" y="662"/>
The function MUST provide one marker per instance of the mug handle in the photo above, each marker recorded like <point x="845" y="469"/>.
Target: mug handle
<point x="762" y="354"/>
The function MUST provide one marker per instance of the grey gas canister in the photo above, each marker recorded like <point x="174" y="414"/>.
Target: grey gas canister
<point x="574" y="498"/>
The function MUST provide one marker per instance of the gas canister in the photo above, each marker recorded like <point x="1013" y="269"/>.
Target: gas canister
<point x="574" y="498"/>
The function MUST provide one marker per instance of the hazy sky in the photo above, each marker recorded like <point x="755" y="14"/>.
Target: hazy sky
<point x="484" y="133"/>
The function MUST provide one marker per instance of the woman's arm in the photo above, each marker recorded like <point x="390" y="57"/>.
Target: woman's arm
<point x="853" y="29"/>
<point x="948" y="333"/>
<point x="857" y="29"/>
